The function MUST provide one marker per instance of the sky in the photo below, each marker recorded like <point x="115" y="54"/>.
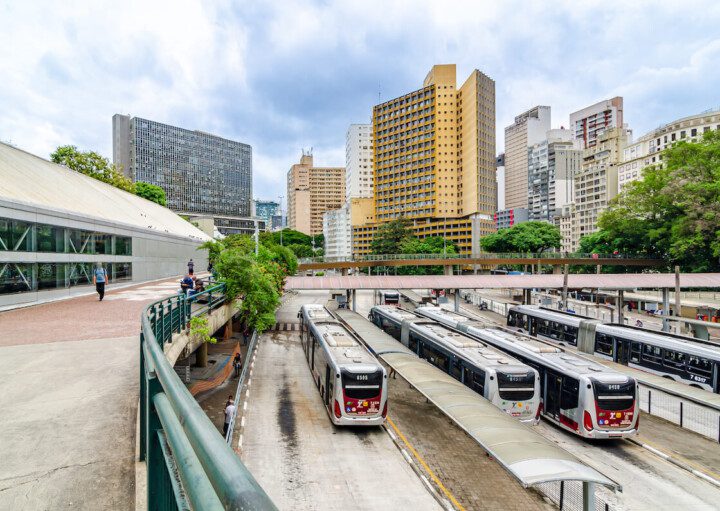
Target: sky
<point x="287" y="75"/>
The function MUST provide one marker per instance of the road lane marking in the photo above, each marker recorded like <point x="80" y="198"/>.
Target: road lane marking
<point x="425" y="466"/>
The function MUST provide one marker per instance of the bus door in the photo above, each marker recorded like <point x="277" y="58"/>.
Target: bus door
<point x="622" y="351"/>
<point x="553" y="386"/>
<point x="533" y="325"/>
<point x="327" y="385"/>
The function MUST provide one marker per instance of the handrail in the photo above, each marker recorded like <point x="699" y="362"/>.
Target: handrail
<point x="212" y="475"/>
<point x="241" y="383"/>
<point x="484" y="255"/>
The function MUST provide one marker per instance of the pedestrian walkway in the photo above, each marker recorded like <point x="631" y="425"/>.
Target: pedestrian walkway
<point x="69" y="380"/>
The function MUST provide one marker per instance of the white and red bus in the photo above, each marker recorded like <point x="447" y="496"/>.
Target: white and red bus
<point x="351" y="382"/>
<point x="577" y="394"/>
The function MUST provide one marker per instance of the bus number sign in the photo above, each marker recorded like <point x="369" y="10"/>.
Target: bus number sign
<point x="614" y="387"/>
<point x="361" y="377"/>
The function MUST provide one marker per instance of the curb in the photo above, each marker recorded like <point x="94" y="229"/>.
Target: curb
<point x="676" y="462"/>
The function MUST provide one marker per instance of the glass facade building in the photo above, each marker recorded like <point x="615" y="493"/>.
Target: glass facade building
<point x="266" y="209"/>
<point x="46" y="240"/>
<point x="201" y="174"/>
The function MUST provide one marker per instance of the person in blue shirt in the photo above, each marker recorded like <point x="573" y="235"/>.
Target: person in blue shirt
<point x="100" y="278"/>
<point x="187" y="284"/>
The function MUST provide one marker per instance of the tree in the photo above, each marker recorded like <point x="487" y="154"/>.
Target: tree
<point x="300" y="250"/>
<point x="525" y="237"/>
<point x="389" y="237"/>
<point x="92" y="164"/>
<point x="673" y="210"/>
<point x="150" y="192"/>
<point x="430" y="245"/>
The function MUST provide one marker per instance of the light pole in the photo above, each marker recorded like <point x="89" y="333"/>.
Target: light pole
<point x="445" y="238"/>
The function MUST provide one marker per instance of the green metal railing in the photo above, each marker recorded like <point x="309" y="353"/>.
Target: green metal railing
<point x="189" y="465"/>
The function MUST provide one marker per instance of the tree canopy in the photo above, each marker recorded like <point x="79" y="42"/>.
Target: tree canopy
<point x="92" y="164"/>
<point x="672" y="212"/>
<point x="389" y="237"/>
<point x="299" y="242"/>
<point x="256" y="279"/>
<point x="151" y="192"/>
<point x="524" y="237"/>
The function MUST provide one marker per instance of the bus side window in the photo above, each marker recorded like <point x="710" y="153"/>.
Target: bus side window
<point x="700" y="366"/>
<point x="478" y="382"/>
<point x="512" y="318"/>
<point x="674" y="359"/>
<point x="604" y="344"/>
<point x="652" y="354"/>
<point x="456" y="369"/>
<point x="570" y="393"/>
<point x="413" y="343"/>
<point x="635" y="352"/>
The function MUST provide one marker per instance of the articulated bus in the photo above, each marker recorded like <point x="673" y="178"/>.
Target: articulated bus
<point x="352" y="383"/>
<point x="580" y="396"/>
<point x="508" y="384"/>
<point x="389" y="297"/>
<point x="683" y="359"/>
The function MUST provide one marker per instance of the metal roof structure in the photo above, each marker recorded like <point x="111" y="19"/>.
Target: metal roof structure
<point x="521" y="451"/>
<point x="37" y="185"/>
<point x="575" y="281"/>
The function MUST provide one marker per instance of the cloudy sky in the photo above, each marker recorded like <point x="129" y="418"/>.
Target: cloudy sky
<point x="287" y="75"/>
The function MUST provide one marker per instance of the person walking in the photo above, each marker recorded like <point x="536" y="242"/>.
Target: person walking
<point x="229" y="412"/>
<point x="100" y="278"/>
<point x="191" y="266"/>
<point x="237" y="363"/>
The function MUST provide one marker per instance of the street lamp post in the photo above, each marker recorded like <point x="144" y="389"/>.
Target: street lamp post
<point x="280" y="197"/>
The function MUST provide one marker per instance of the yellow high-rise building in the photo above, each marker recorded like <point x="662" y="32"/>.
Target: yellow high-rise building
<point x="434" y="160"/>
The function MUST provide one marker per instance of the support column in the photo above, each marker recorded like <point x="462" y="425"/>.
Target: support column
<point x="527" y="296"/>
<point x="620" y="304"/>
<point x="201" y="356"/>
<point x="678" y="301"/>
<point x="666" y="309"/>
<point x="353" y="299"/>
<point x="448" y="269"/>
<point x="344" y="272"/>
<point x="457" y="300"/>
<point x="227" y="334"/>
<point x="588" y="496"/>
<point x="566" y="269"/>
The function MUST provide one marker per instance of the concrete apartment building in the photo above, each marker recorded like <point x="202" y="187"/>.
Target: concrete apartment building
<point x="590" y="122"/>
<point x="646" y="150"/>
<point x="552" y="164"/>
<point x="434" y="160"/>
<point x="505" y="218"/>
<point x="338" y="232"/>
<point x="358" y="162"/>
<point x="500" y="181"/>
<point x="528" y="129"/>
<point x="597" y="182"/>
<point x="311" y="191"/>
<point x="203" y="175"/>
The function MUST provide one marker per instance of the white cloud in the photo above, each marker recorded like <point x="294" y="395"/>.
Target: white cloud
<point x="290" y="74"/>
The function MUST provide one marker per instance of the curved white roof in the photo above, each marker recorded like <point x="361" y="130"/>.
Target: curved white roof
<point x="33" y="181"/>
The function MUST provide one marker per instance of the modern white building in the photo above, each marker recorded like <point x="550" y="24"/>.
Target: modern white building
<point x="500" y="181"/>
<point x="590" y="122"/>
<point x="528" y="129"/>
<point x="358" y="162"/>
<point x="337" y="231"/>
<point x="57" y="224"/>
<point x="552" y="165"/>
<point x="646" y="150"/>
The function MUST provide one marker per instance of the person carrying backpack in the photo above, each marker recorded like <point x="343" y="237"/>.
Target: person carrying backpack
<point x="100" y="278"/>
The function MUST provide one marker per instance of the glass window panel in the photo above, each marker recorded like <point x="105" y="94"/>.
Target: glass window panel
<point x="80" y="242"/>
<point x="16" y="278"/>
<point x="50" y="238"/>
<point x="123" y="245"/>
<point x="103" y="243"/>
<point x="80" y="274"/>
<point x="15" y="235"/>
<point x="51" y="276"/>
<point x="122" y="271"/>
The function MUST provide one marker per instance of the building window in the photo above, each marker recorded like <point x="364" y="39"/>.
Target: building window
<point x="15" y="235"/>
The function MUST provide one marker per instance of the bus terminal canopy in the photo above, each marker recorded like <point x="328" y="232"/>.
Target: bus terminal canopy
<point x="575" y="281"/>
<point x="521" y="451"/>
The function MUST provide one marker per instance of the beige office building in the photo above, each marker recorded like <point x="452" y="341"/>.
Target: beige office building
<point x="434" y="160"/>
<point x="312" y="191"/>
<point x="597" y="182"/>
<point x="529" y="128"/>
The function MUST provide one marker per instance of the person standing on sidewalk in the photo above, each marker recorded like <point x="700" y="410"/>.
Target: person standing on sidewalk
<point x="237" y="363"/>
<point x="191" y="267"/>
<point x="100" y="278"/>
<point x="229" y="412"/>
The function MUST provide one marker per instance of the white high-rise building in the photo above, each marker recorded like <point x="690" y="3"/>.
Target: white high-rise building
<point x="500" y="181"/>
<point x="338" y="232"/>
<point x="528" y="129"/>
<point x="590" y="122"/>
<point x="358" y="162"/>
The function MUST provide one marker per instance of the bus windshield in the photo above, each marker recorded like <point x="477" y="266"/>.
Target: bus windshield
<point x="361" y="385"/>
<point x="614" y="396"/>
<point x="516" y="387"/>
